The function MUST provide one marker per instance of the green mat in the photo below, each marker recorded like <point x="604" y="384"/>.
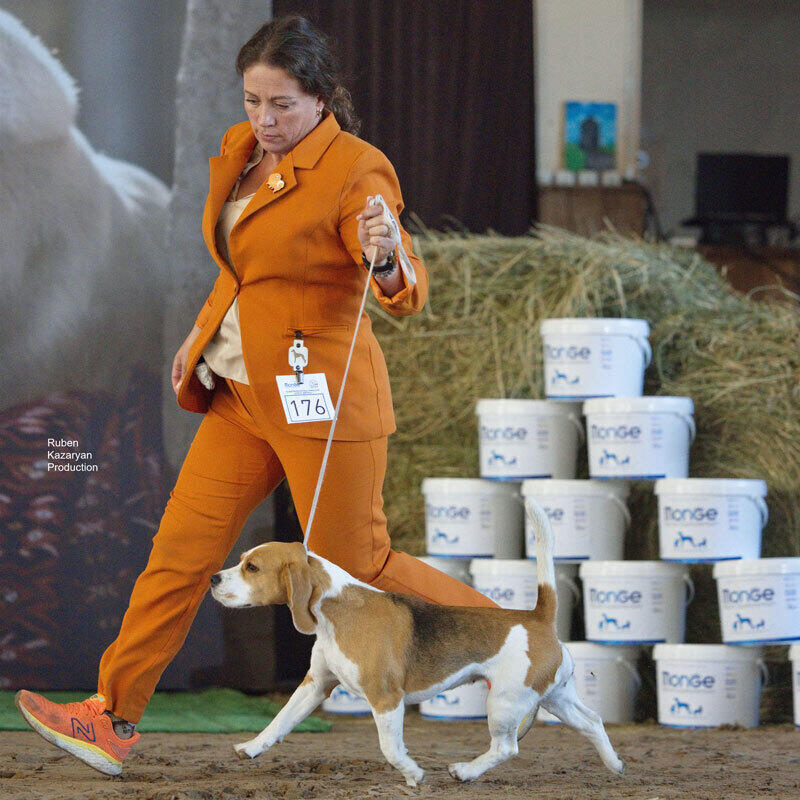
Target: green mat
<point x="209" y="711"/>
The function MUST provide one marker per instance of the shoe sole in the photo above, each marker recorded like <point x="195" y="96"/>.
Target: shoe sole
<point x="88" y="753"/>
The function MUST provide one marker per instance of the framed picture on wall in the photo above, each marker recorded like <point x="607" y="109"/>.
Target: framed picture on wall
<point x="590" y="136"/>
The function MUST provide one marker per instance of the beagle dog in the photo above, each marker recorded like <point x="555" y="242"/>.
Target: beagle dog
<point x="394" y="649"/>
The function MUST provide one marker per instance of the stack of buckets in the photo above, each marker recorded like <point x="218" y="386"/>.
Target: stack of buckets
<point x="529" y="448"/>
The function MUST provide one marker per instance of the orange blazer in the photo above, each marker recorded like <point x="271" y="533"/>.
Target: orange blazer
<point x="298" y="268"/>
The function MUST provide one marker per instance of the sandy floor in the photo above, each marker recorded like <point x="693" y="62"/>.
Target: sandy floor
<point x="554" y="763"/>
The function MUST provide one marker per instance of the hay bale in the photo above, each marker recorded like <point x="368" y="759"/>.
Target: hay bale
<point x="478" y="336"/>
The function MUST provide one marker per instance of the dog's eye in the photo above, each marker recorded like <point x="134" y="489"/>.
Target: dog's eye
<point x="251" y="567"/>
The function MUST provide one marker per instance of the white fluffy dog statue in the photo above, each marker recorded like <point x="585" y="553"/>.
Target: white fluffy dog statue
<point x="81" y="238"/>
<point x="394" y="649"/>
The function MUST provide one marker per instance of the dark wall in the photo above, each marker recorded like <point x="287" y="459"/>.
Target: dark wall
<point x="445" y="89"/>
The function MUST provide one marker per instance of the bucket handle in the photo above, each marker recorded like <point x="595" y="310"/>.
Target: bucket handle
<point x="573" y="587"/>
<point x="689" y="420"/>
<point x="579" y="425"/>
<point x="761" y="505"/>
<point x="647" y="351"/>
<point x="690" y="586"/>
<point x="623" y="507"/>
<point x="633" y="671"/>
<point x="764" y="672"/>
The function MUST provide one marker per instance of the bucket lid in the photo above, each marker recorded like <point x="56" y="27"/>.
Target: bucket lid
<point x="614" y="568"/>
<point x="706" y="652"/>
<point x="756" y="566"/>
<point x="641" y="405"/>
<point x="624" y="326"/>
<point x="527" y="407"/>
<point x="468" y="486"/>
<point x="698" y="486"/>
<point x="794" y="652"/>
<point x="502" y="566"/>
<point x="549" y="486"/>
<point x="610" y="651"/>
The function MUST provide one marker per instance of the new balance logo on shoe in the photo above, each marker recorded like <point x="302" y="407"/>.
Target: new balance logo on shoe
<point x="86" y="731"/>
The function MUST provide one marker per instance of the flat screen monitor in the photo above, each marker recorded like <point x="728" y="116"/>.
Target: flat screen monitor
<point x="741" y="187"/>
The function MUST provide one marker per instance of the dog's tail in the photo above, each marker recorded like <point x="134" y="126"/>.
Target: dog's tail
<point x="546" y="602"/>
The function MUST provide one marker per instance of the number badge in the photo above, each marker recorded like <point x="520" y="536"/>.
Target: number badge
<point x="309" y="401"/>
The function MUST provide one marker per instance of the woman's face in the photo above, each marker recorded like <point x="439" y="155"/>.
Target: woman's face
<point x="280" y="112"/>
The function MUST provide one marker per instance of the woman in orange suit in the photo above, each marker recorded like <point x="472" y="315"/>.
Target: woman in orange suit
<point x="289" y="223"/>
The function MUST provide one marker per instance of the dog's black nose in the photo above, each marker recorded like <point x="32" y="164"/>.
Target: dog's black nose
<point x="215" y="579"/>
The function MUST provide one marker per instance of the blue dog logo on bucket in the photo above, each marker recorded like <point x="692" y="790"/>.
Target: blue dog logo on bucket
<point x="679" y="707"/>
<point x="341" y="695"/>
<point x="499" y="458"/>
<point x="562" y="378"/>
<point x="444" y="700"/>
<point x="607" y="623"/>
<point x="740" y="622"/>
<point x="440" y="537"/>
<point x="609" y="458"/>
<point x="688" y="541"/>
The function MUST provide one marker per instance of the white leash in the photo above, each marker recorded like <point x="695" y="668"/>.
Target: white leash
<point x="377" y="200"/>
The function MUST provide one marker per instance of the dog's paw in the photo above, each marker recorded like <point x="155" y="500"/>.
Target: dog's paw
<point x="462" y="771"/>
<point x="249" y="749"/>
<point x="413" y="777"/>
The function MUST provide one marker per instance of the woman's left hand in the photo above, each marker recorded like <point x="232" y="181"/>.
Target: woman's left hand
<point x="374" y="232"/>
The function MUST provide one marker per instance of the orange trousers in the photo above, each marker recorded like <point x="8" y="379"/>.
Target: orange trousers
<point x="235" y="460"/>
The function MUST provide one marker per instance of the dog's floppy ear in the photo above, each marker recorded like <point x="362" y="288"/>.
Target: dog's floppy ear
<point x="301" y="593"/>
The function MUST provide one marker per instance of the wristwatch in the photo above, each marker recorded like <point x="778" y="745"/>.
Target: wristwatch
<point x="385" y="269"/>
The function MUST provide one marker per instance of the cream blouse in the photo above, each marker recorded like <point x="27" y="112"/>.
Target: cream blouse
<point x="223" y="353"/>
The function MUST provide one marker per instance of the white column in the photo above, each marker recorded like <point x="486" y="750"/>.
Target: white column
<point x="209" y="101"/>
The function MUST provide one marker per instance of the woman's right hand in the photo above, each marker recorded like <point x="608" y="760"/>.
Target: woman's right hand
<point x="179" y="362"/>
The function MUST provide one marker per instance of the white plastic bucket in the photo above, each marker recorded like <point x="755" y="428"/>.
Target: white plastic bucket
<point x="702" y="519"/>
<point x="341" y="701"/>
<point x="457" y="568"/>
<point x="606" y="678"/>
<point x="512" y="583"/>
<point x="472" y="518"/>
<point x="706" y="685"/>
<point x="639" y="437"/>
<point x="595" y="357"/>
<point x="794" y="661"/>
<point x="588" y="518"/>
<point x="759" y="600"/>
<point x="463" y="702"/>
<point x="635" y="602"/>
<point x="520" y="439"/>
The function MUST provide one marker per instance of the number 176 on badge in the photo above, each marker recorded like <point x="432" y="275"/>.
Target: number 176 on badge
<point x="308" y="401"/>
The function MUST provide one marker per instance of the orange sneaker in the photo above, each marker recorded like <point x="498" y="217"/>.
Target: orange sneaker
<point x="81" y="729"/>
